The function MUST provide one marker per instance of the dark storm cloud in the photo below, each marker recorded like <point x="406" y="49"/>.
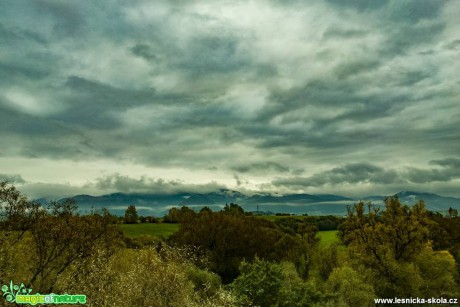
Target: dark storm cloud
<point x="360" y="5"/>
<point x="210" y="55"/>
<point x="144" y="51"/>
<point x="348" y="174"/>
<point x="453" y="163"/>
<point x="400" y="11"/>
<point x="261" y="167"/>
<point x="450" y="170"/>
<point x="339" y="33"/>
<point x="357" y="67"/>
<point x="103" y="95"/>
<point x="94" y="104"/>
<point x="199" y="85"/>
<point x="9" y="35"/>
<point x="370" y="173"/>
<point x="117" y="182"/>
<point x="66" y="14"/>
<point x="416" y="35"/>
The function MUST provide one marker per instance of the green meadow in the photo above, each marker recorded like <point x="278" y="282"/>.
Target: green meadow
<point x="166" y="229"/>
<point x="328" y="237"/>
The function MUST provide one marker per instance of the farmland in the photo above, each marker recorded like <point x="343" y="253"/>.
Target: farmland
<point x="328" y="237"/>
<point x="167" y="229"/>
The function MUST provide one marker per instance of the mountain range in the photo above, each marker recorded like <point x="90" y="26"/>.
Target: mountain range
<point x="311" y="204"/>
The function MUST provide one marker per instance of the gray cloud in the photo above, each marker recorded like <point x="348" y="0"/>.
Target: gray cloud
<point x="261" y="167"/>
<point x="262" y="92"/>
<point x="144" y="51"/>
<point x="117" y="182"/>
<point x="365" y="173"/>
<point x="12" y="178"/>
<point x="347" y="174"/>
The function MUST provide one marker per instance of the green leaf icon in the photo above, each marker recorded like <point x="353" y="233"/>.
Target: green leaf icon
<point x="4" y="288"/>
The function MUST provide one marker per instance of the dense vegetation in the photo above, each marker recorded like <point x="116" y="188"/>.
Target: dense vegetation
<point x="228" y="258"/>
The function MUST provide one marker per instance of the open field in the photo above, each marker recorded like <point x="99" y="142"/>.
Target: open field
<point x="328" y="237"/>
<point x="166" y="229"/>
<point x="152" y="229"/>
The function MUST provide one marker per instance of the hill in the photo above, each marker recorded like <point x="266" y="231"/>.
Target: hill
<point x="312" y="204"/>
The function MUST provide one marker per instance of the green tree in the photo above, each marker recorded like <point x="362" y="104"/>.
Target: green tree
<point x="233" y="209"/>
<point x="131" y="215"/>
<point x="182" y="215"/>
<point x="453" y="212"/>
<point x="259" y="281"/>
<point x="265" y="283"/>
<point x="350" y="288"/>
<point x="226" y="239"/>
<point x="56" y="240"/>
<point x="388" y="245"/>
<point x="64" y="238"/>
<point x="445" y="235"/>
<point x="327" y="259"/>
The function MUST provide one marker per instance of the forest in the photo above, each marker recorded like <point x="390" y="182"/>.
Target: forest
<point x="230" y="258"/>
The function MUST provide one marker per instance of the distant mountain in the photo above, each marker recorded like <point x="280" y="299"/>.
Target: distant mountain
<point x="432" y="201"/>
<point x="312" y="204"/>
<point x="197" y="200"/>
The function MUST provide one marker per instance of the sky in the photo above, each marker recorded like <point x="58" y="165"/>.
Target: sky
<point x="344" y="97"/>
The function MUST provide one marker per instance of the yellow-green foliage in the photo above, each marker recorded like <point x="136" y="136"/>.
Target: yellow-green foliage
<point x="264" y="283"/>
<point x="146" y="277"/>
<point x="395" y="250"/>
<point x="438" y="271"/>
<point x="351" y="289"/>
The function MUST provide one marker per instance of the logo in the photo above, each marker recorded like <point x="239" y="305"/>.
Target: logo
<point x="20" y="294"/>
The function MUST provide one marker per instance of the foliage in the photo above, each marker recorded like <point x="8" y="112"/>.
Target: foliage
<point x="437" y="270"/>
<point x="131" y="216"/>
<point x="259" y="281"/>
<point x="179" y="215"/>
<point x="453" y="212"/>
<point x="445" y="235"/>
<point x="327" y="260"/>
<point x="264" y="283"/>
<point x="55" y="238"/>
<point x="158" y="276"/>
<point x="226" y="239"/>
<point x="350" y="288"/>
<point x="322" y="223"/>
<point x="233" y="209"/>
<point x="390" y="244"/>
<point x="148" y="219"/>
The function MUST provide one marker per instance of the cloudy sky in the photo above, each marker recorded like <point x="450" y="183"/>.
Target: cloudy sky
<point x="347" y="97"/>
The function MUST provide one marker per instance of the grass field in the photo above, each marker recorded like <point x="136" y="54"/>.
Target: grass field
<point x="159" y="230"/>
<point x="165" y="230"/>
<point x="328" y="237"/>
